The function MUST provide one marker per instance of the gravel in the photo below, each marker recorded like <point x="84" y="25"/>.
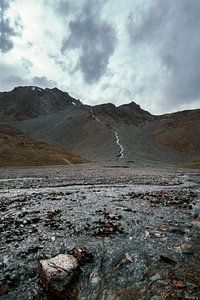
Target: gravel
<point x="139" y="224"/>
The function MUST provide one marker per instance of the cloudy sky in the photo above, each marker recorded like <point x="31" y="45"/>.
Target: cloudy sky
<point x="147" y="51"/>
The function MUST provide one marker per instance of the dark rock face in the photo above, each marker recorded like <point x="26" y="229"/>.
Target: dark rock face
<point x="31" y="101"/>
<point x="128" y="113"/>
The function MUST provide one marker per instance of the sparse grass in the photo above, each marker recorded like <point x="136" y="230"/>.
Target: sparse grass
<point x="180" y="132"/>
<point x="17" y="149"/>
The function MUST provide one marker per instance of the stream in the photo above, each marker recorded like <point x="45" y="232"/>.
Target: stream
<point x="121" y="148"/>
<point x="144" y="235"/>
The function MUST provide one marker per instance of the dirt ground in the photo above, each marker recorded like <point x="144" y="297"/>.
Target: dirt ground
<point x="140" y="224"/>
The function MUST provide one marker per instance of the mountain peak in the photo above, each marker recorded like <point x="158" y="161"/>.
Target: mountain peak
<point x="55" y="89"/>
<point x="25" y="102"/>
<point x="27" y="88"/>
<point x="131" y="105"/>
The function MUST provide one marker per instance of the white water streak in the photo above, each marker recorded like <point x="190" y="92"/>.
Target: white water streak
<point x="121" y="152"/>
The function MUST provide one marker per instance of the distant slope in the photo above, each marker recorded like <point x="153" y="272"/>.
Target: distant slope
<point x="179" y="131"/>
<point x="91" y="131"/>
<point x="74" y="130"/>
<point x="17" y="149"/>
<point x="130" y="113"/>
<point x="79" y="132"/>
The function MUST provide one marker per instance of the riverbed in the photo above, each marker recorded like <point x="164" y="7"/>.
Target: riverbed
<point x="140" y="224"/>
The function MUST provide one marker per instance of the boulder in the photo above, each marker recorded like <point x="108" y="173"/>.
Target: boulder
<point x="59" y="275"/>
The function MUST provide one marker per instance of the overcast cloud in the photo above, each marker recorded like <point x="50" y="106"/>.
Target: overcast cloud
<point x="145" y="51"/>
<point x="7" y="30"/>
<point x="96" y="40"/>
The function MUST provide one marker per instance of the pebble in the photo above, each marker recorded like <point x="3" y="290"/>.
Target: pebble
<point x="37" y="212"/>
<point x="155" y="298"/>
<point x="155" y="277"/>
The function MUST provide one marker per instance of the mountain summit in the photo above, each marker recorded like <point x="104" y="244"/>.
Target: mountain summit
<point x="31" y="101"/>
<point x="102" y="132"/>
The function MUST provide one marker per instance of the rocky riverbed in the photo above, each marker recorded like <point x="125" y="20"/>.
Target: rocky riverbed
<point x="139" y="227"/>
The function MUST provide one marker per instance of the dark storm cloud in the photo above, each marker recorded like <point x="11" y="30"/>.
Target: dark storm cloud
<point x="6" y="30"/>
<point x="43" y="82"/>
<point x="95" y="38"/>
<point x="172" y="30"/>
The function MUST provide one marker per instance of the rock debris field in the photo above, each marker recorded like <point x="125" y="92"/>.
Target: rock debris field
<point x="133" y="231"/>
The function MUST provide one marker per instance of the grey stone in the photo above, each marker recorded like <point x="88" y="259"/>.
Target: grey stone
<point x="155" y="277"/>
<point x="59" y="273"/>
<point x="156" y="297"/>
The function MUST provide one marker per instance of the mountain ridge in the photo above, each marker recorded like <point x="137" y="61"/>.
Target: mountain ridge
<point x="36" y="90"/>
<point x="101" y="131"/>
<point x="32" y="101"/>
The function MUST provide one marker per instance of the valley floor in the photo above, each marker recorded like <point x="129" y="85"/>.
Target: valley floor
<point x="141" y="224"/>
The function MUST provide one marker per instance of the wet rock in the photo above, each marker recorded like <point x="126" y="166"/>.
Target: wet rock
<point x="108" y="225"/>
<point x="181" y="199"/>
<point x="167" y="260"/>
<point x="128" y="209"/>
<point x="93" y="205"/>
<point x="195" y="215"/>
<point x="4" y="290"/>
<point x="178" y="284"/>
<point x="82" y="255"/>
<point x="108" y="228"/>
<point x="111" y="216"/>
<point x="155" y="277"/>
<point x="177" y="230"/>
<point x="155" y="297"/>
<point x="35" y="219"/>
<point x="196" y="224"/>
<point x="59" y="275"/>
<point x="31" y="250"/>
<point x="188" y="251"/>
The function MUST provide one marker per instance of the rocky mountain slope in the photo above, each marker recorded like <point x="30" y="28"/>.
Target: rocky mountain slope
<point x="179" y="131"/>
<point x="102" y="132"/>
<point x="19" y="149"/>
<point x="31" y="101"/>
<point x="128" y="113"/>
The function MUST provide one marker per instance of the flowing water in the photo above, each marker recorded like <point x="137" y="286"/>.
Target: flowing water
<point x="119" y="145"/>
<point x="141" y="227"/>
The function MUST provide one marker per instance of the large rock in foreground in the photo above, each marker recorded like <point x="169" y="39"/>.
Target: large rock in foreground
<point x="59" y="275"/>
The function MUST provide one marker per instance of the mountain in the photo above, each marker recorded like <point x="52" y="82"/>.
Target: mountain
<point x="19" y="149"/>
<point x="128" y="113"/>
<point x="103" y="132"/>
<point x="31" y="101"/>
<point x="179" y="131"/>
